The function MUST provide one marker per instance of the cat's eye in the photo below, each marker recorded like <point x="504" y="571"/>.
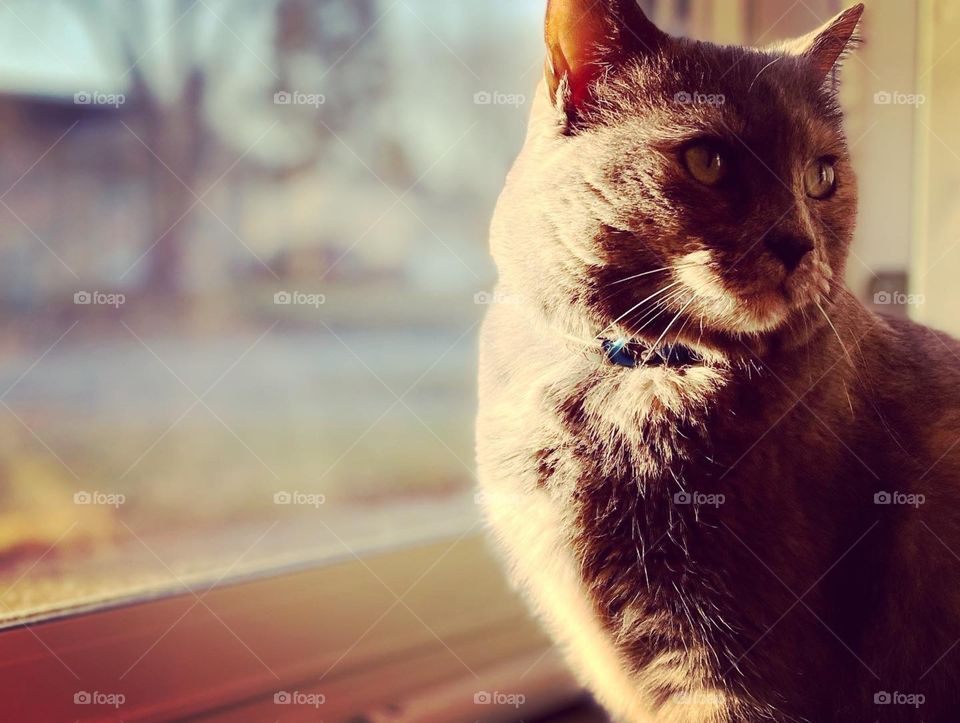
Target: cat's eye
<point x="820" y="179"/>
<point x="706" y="163"/>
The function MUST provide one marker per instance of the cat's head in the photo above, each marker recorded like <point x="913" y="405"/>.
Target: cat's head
<point x="685" y="179"/>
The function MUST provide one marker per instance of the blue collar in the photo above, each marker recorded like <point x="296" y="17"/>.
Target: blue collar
<point x="626" y="353"/>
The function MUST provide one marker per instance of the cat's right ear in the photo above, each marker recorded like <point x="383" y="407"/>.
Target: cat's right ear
<point x="585" y="39"/>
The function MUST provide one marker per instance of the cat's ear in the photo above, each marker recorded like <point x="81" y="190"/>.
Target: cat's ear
<point x="825" y="47"/>
<point x="586" y="38"/>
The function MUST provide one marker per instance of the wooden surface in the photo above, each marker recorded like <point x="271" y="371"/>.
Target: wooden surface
<point x="339" y="630"/>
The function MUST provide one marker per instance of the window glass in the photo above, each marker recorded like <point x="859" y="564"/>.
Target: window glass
<point x="242" y="269"/>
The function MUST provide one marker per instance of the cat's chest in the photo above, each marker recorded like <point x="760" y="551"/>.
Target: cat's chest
<point x="643" y="426"/>
<point x="630" y="465"/>
<point x="631" y="503"/>
<point x="634" y="464"/>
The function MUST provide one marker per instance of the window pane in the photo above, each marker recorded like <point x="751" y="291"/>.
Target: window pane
<point x="243" y="247"/>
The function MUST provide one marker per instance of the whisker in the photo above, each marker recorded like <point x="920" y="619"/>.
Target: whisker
<point x="676" y="337"/>
<point x="637" y="276"/>
<point x="648" y="273"/>
<point x="638" y="305"/>
<point x="634" y="277"/>
<point x="658" y="304"/>
<point x="659" y="307"/>
<point x="836" y="333"/>
<point x="806" y="324"/>
<point x="656" y="344"/>
<point x="666" y="308"/>
<point x="776" y="60"/>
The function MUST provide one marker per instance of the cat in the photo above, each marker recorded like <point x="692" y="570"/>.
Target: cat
<point x="730" y="492"/>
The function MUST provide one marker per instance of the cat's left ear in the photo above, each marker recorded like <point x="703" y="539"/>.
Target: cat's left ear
<point x="826" y="47"/>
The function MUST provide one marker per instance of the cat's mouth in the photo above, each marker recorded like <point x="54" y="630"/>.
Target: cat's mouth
<point x="760" y="313"/>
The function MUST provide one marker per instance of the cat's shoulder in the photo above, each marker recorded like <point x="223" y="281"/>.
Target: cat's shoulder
<point x="911" y="354"/>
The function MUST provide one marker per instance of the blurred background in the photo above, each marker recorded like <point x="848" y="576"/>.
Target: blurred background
<point x="241" y="247"/>
<point x="243" y="260"/>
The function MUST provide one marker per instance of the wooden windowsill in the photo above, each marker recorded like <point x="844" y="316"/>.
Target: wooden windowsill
<point x="338" y="629"/>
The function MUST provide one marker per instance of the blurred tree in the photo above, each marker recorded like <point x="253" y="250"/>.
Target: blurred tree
<point x="167" y="52"/>
<point x="334" y="48"/>
<point x="180" y="60"/>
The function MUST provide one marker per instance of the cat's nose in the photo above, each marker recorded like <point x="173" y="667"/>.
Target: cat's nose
<point x="790" y="249"/>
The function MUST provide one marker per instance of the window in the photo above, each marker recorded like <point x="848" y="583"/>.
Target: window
<point x="243" y="266"/>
